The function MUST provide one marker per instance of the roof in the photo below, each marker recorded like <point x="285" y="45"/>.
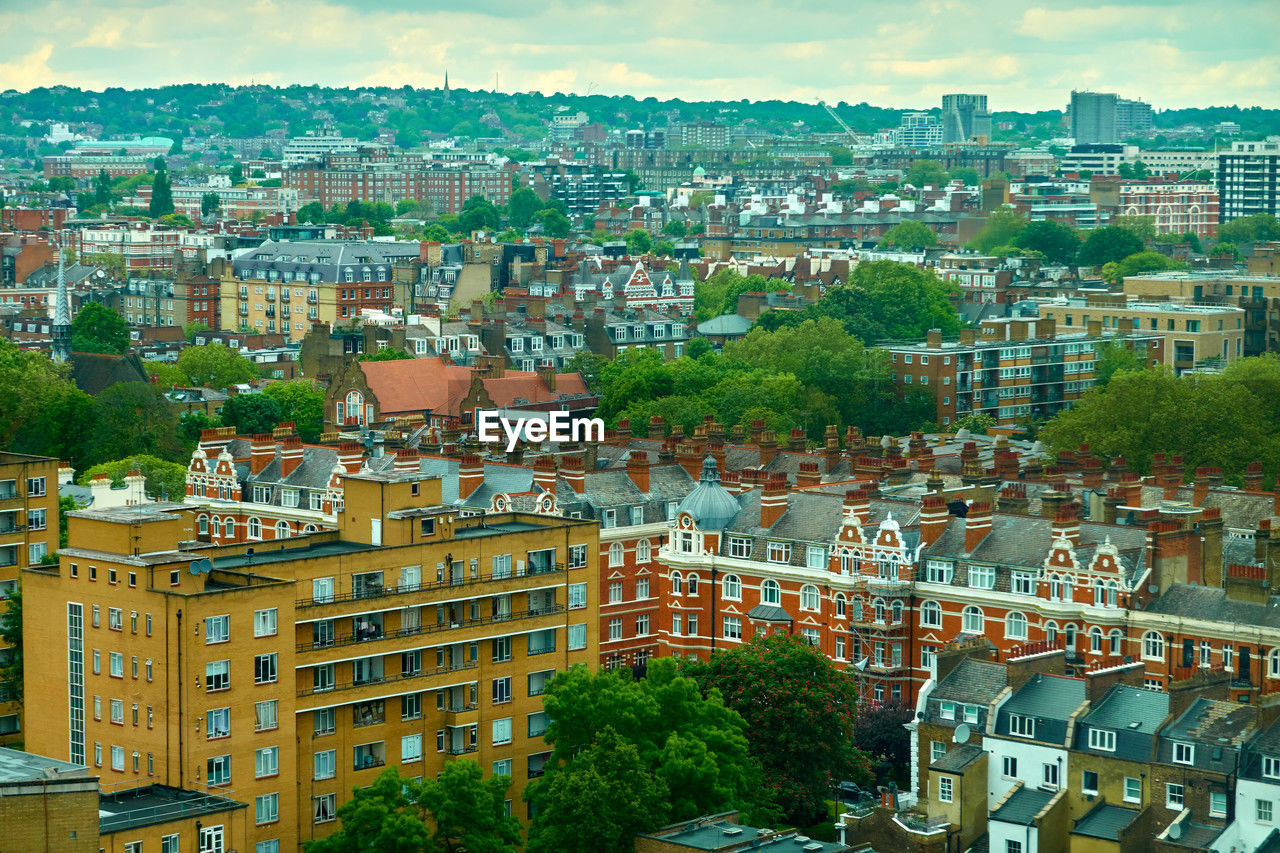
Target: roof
<point x="957" y="758"/>
<point x="1106" y="821"/>
<point x="711" y="504"/>
<point x="94" y="373"/>
<point x="769" y="613"/>
<point x="723" y="835"/>
<point x="527" y="385"/>
<point x="1214" y="722"/>
<point x="18" y="766"/>
<point x="1023" y="806"/>
<point x="1197" y="601"/>
<point x="154" y="804"/>
<point x="1050" y="696"/>
<point x="417" y="384"/>
<point x="726" y="324"/>
<point x="1123" y="706"/>
<point x="974" y="682"/>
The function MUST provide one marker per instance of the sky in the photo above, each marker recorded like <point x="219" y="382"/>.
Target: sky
<point x="1024" y="54"/>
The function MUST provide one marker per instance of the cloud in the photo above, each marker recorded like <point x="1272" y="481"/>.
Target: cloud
<point x="28" y="72"/>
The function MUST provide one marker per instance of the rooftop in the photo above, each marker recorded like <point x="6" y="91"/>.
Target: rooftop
<point x="18" y="766"/>
<point x="1023" y="806"/>
<point x="723" y="835"/>
<point x="1130" y="708"/>
<point x="156" y="804"/>
<point x="1106" y="821"/>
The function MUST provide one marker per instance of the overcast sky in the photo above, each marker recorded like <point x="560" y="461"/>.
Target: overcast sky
<point x="1024" y="55"/>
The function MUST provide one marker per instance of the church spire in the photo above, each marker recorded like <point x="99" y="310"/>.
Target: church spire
<point x="446" y="84"/>
<point x="62" y="315"/>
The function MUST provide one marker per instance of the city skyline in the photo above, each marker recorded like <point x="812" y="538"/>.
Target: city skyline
<point x="1023" y="58"/>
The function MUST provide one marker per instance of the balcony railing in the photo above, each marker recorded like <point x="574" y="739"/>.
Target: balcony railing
<point x="351" y="639"/>
<point x="384" y="679"/>
<point x="403" y="589"/>
<point x="367" y="762"/>
<point x="461" y="750"/>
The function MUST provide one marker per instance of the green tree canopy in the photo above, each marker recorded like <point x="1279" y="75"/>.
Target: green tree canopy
<point x="553" y="222"/>
<point x="801" y="715"/>
<point x="133" y="418"/>
<point x="1143" y="262"/>
<point x="522" y="205"/>
<point x="436" y="233"/>
<point x="719" y="293"/>
<point x="301" y="403"/>
<point x="1002" y="228"/>
<point x="210" y="203"/>
<point x="251" y="414"/>
<point x="1250" y="229"/>
<point x="1114" y="357"/>
<point x="1143" y="227"/>
<point x="478" y="214"/>
<point x="1112" y="243"/>
<point x="925" y="172"/>
<point x="386" y="354"/>
<point x="161" y="203"/>
<point x="909" y="234"/>
<point x="164" y="478"/>
<point x="216" y="366"/>
<point x="1059" y="243"/>
<point x="99" y="329"/>
<point x="638" y="241"/>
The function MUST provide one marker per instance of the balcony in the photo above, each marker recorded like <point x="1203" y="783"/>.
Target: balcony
<point x="350" y="639"/>
<point x="461" y="749"/>
<point x="379" y="591"/>
<point x="387" y="679"/>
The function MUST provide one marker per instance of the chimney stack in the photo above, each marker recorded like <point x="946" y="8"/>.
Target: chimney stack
<point x="571" y="468"/>
<point x="773" y="500"/>
<point x="977" y="524"/>
<point x="768" y="447"/>
<point x="470" y="475"/>
<point x="657" y="428"/>
<point x="262" y="449"/>
<point x="638" y="469"/>
<point x="857" y="503"/>
<point x="796" y="442"/>
<point x="1066" y="525"/>
<point x="933" y="518"/>
<point x="544" y="474"/>
<point x="808" y="475"/>
<point x="406" y="460"/>
<point x="1253" y="477"/>
<point x="290" y="455"/>
<point x="350" y="456"/>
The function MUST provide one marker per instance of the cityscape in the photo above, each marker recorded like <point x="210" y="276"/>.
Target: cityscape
<point x="581" y="429"/>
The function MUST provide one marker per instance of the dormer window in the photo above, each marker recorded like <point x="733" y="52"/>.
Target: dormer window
<point x="948" y="710"/>
<point x="1270" y="767"/>
<point x="1022" y="726"/>
<point x="1184" y="753"/>
<point x="1102" y="739"/>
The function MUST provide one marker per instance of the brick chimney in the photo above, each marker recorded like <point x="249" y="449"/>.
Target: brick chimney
<point x="717" y="453"/>
<point x="757" y="431"/>
<point x="1101" y="677"/>
<point x="773" y="500"/>
<point x="768" y="447"/>
<point x="687" y="458"/>
<point x="933" y="518"/>
<point x="808" y="475"/>
<point x="470" y="475"/>
<point x="262" y="449"/>
<point x="1066" y="525"/>
<point x="795" y="442"/>
<point x="1131" y="485"/>
<point x="657" y="428"/>
<point x="857" y="503"/>
<point x="571" y="468"/>
<point x="350" y="456"/>
<point x="638" y="469"/>
<point x="1013" y="498"/>
<point x="1211" y="528"/>
<point x="1253" y="476"/>
<point x="290" y="455"/>
<point x="977" y="524"/>
<point x="544" y="474"/>
<point x="1205" y="476"/>
<point x="406" y="460"/>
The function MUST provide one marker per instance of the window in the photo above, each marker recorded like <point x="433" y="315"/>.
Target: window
<point x="972" y="620"/>
<point x="739" y="546"/>
<point x="971" y="714"/>
<point x="216" y="629"/>
<point x="322" y="677"/>
<point x="325" y="720"/>
<point x="217" y="675"/>
<point x="808" y="597"/>
<point x="264" y="623"/>
<point x="642" y="588"/>
<point x="615" y="629"/>
<point x="1095" y="640"/>
<point x="117" y="664"/>
<point x="324" y="808"/>
<point x="1184" y="753"/>
<point x="577" y="637"/>
<point x="939" y="571"/>
<point x="815" y="557"/>
<point x="948" y="710"/>
<point x="1270" y="767"/>
<point x="1102" y="739"/>
<point x="931" y="615"/>
<point x="644" y="551"/>
<point x="770" y="592"/>
<point x="577" y="596"/>
<point x="1132" y="789"/>
<point x="411" y="706"/>
<point x="322" y="590"/>
<point x="266" y="808"/>
<point x="732" y="628"/>
<point x="501" y="690"/>
<point x="264" y="669"/>
<point x="1015" y="626"/>
<point x="219" y="770"/>
<point x="410" y="748"/>
<point x="1009" y="767"/>
<point x="1012" y="845"/>
<point x="945" y="784"/>
<point x="169" y="843"/>
<point x="117" y="711"/>
<point x="1262" y="809"/>
<point x="615" y="555"/>
<point x="779" y="552"/>
<point x="577" y="558"/>
<point x="642" y="625"/>
<point x="502" y="768"/>
<point x="1217" y="804"/>
<point x="1022" y="726"/>
<point x="1152" y="646"/>
<point x="937" y="749"/>
<point x="615" y="592"/>
<point x="271" y="846"/>
<point x="502" y="731"/>
<point x="265" y="716"/>
<point x="1173" y="796"/>
<point x="117" y="758"/>
<point x="1024" y="583"/>
<point x="731" y="587"/>
<point x="982" y="577"/>
<point x="266" y="762"/>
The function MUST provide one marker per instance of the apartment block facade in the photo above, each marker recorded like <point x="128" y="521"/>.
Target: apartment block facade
<point x="1249" y="178"/>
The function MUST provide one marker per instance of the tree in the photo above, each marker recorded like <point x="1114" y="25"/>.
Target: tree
<point x="675" y="228"/>
<point x="1250" y="229"/>
<point x="467" y="811"/>
<point x="381" y="817"/>
<point x="1114" y="357"/>
<point x="554" y="223"/>
<point x="435" y="233"/>
<point x="161" y="193"/>
<point x="1143" y="227"/>
<point x="977" y="423"/>
<point x="102" y="188"/>
<point x="1144" y="262"/>
<point x="251" y="414"/>
<point x="1112" y="243"/>
<point x="1058" y="242"/>
<point x="99" y="329"/>
<point x="132" y="418"/>
<point x="588" y="365"/>
<point x="888" y="300"/>
<point x="210" y="203"/>
<point x="236" y="174"/>
<point x="801" y="715"/>
<point x="386" y="354"/>
<point x="910" y="234"/>
<point x="164" y="479"/>
<point x="11" y="635"/>
<point x="522" y="205"/>
<point x="884" y="738"/>
<point x="925" y="173"/>
<point x="216" y="366"/>
<point x="301" y="403"/>
<point x="967" y="174"/>
<point x="600" y="803"/>
<point x="190" y="330"/>
<point x="1133" y="171"/>
<point x="1002" y="227"/>
<point x="638" y="241"/>
<point x="478" y="214"/>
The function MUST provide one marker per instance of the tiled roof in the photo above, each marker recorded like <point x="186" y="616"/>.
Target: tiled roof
<point x="1052" y="697"/>
<point x="1240" y="509"/>
<point x="1124" y="705"/>
<point x="416" y="385"/>
<point x="1105" y="821"/>
<point x="1197" y="601"/>
<point x="1213" y="722"/>
<point x="1022" y="807"/>
<point x="974" y="682"/>
<point x="527" y="385"/>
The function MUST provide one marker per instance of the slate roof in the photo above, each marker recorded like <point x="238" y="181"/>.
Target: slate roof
<point x="1240" y="509"/>
<point x="1053" y="697"/>
<point x="769" y="613"/>
<point x="1198" y="601"/>
<point x="957" y="758"/>
<point x="1105" y="821"/>
<point x="973" y="682"/>
<point x="1212" y="722"/>
<point x="94" y="373"/>
<point x="1022" y="807"/>
<point x="1124" y="705"/>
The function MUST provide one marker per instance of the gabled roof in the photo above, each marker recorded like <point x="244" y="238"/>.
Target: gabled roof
<point x="958" y="757"/>
<point x="1123" y="706"/>
<point x="417" y="384"/>
<point x="973" y="682"/>
<point x="528" y="386"/>
<point x="1053" y="697"/>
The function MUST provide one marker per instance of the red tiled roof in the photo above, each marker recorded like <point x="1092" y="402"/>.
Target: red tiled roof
<point x="416" y="384"/>
<point x="528" y="385"/>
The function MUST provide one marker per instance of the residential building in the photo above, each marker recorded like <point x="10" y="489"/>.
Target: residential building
<point x="1099" y="158"/>
<point x="965" y="118"/>
<point x="377" y="176"/>
<point x="1133" y="118"/>
<point x="412" y="634"/>
<point x="1257" y="794"/>
<point x="1093" y="117"/>
<point x="1194" y="335"/>
<point x="315" y="145"/>
<point x="704" y="134"/>
<point x="917" y="129"/>
<point x="1175" y="206"/>
<point x="86" y="167"/>
<point x="1257" y="295"/>
<point x="722" y="833"/>
<point x="1249" y="178"/>
<point x="28" y="535"/>
<point x="144" y="245"/>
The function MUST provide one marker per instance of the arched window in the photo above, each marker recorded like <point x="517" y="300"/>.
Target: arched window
<point x="282" y="530"/>
<point x="841" y="604"/>
<point x="1273" y="664"/>
<point x="204" y="524"/>
<point x="691" y="584"/>
<point x="1115" y="639"/>
<point x="878" y="608"/>
<point x="770" y="592"/>
<point x="615" y="555"/>
<point x="677" y="584"/>
<point x="1068" y="592"/>
<point x="1113" y="590"/>
<point x="355" y="406"/>
<point x="255" y="528"/>
<point x="1051" y="631"/>
<point x="971" y="620"/>
<point x="931" y="615"/>
<point x="897" y="613"/>
<point x="1015" y="626"/>
<point x="643" y="551"/>
<point x="1099" y="593"/>
<point x="229" y="528"/>
<point x="310" y="528"/>
<point x="855" y="606"/>
<point x="1095" y="640"/>
<point x="1153" y="646"/>
<point x="808" y="597"/>
<point x="846" y="561"/>
<point x="1070" y="641"/>
<point x="731" y="587"/>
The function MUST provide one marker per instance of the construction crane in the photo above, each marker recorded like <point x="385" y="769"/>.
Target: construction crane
<point x="853" y="137"/>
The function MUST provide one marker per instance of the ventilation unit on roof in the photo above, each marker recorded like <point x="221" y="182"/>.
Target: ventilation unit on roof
<point x="733" y="830"/>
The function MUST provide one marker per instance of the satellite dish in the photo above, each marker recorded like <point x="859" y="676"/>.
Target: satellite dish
<point x="1175" y="830"/>
<point x="201" y="567"/>
<point x="962" y="734"/>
